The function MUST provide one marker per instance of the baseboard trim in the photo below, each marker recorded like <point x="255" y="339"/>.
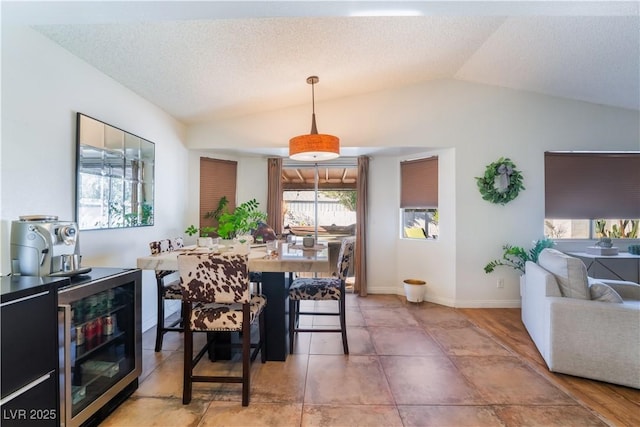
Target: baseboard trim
<point x="450" y="302"/>
<point x="488" y="304"/>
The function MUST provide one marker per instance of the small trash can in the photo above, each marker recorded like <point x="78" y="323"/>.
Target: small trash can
<point x="414" y="289"/>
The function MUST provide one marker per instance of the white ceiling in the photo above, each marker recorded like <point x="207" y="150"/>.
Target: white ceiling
<point x="206" y="60"/>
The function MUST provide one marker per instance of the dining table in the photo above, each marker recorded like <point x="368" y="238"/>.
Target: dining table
<point x="275" y="267"/>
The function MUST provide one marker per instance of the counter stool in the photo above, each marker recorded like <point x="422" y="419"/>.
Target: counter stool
<point x="168" y="288"/>
<point x="317" y="289"/>
<point x="216" y="297"/>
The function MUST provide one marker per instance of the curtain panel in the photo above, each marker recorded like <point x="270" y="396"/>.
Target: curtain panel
<point x="274" y="196"/>
<point x="362" y="203"/>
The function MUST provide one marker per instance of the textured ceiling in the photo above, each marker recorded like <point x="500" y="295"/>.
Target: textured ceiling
<point x="213" y="60"/>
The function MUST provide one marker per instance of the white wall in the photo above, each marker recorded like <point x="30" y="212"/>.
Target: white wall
<point x="470" y="125"/>
<point x="251" y="182"/>
<point x="43" y="87"/>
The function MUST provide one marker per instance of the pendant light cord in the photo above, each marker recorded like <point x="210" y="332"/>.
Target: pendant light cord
<point x="314" y="127"/>
<point x="313" y="98"/>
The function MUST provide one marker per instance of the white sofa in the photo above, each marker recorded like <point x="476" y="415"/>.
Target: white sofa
<point x="576" y="334"/>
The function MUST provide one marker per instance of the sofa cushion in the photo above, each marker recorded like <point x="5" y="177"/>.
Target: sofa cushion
<point x="570" y="272"/>
<point x="602" y="292"/>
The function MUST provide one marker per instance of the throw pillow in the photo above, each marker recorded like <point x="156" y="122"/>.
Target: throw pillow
<point x="602" y="292"/>
<point x="570" y="272"/>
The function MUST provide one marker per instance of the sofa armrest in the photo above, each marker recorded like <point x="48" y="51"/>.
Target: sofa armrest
<point x="543" y="282"/>
<point x="535" y="307"/>
<point x="627" y="290"/>
<point x="595" y="339"/>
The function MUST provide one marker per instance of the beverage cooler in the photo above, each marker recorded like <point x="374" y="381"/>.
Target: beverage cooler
<point x="100" y="343"/>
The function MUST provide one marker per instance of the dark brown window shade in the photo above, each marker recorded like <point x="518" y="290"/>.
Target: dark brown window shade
<point x="419" y="183"/>
<point x="217" y="179"/>
<point x="592" y="185"/>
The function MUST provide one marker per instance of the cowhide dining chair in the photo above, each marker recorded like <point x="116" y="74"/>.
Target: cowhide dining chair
<point x="217" y="298"/>
<point x="168" y="288"/>
<point x="322" y="289"/>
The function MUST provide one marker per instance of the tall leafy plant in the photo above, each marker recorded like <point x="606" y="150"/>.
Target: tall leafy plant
<point x="243" y="220"/>
<point x="516" y="256"/>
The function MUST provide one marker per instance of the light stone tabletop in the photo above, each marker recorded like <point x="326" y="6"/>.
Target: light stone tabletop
<point x="287" y="260"/>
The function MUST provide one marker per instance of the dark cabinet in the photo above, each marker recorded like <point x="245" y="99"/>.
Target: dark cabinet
<point x="28" y="318"/>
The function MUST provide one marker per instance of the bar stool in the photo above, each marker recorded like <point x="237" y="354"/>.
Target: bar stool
<point x="168" y="288"/>
<point x="216" y="297"/>
<point x="317" y="289"/>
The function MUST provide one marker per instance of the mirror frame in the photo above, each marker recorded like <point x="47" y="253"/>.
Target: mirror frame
<point x="115" y="177"/>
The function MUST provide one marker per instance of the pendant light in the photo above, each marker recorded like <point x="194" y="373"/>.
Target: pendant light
<point x="314" y="147"/>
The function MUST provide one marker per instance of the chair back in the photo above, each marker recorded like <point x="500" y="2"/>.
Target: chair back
<point x="221" y="278"/>
<point x="345" y="256"/>
<point x="165" y="245"/>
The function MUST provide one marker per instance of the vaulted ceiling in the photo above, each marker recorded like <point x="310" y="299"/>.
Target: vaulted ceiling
<point x="204" y="61"/>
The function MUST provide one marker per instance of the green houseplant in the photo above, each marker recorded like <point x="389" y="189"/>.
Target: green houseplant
<point x="243" y="220"/>
<point x="207" y="231"/>
<point x="516" y="256"/>
<point x="204" y="231"/>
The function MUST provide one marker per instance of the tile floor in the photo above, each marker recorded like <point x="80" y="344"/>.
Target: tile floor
<point x="410" y="365"/>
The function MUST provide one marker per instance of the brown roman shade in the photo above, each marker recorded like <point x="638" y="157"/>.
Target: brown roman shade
<point x="217" y="179"/>
<point x="592" y="185"/>
<point x="419" y="183"/>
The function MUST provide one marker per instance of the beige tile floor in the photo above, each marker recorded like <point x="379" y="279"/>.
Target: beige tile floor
<point x="409" y="365"/>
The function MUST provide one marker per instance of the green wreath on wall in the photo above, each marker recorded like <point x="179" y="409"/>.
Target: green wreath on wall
<point x="501" y="182"/>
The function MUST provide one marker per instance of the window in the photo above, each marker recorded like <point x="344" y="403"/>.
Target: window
<point x="587" y="192"/>
<point x="591" y="229"/>
<point x="336" y="196"/>
<point x="419" y="198"/>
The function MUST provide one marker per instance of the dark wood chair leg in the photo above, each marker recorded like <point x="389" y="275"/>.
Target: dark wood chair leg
<point x="160" y="323"/>
<point x="343" y="324"/>
<point x="188" y="368"/>
<point x="246" y="355"/>
<point x="292" y="323"/>
<point x="181" y="324"/>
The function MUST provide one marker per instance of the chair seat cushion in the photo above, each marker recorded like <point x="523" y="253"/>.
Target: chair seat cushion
<point x="224" y="317"/>
<point x="172" y="291"/>
<point x="315" y="289"/>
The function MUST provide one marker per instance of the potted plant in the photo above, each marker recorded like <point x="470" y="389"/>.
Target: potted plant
<point x="204" y="231"/>
<point x="242" y="221"/>
<point x="516" y="256"/>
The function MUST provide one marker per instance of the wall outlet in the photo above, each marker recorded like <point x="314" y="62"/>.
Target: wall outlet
<point x="500" y="283"/>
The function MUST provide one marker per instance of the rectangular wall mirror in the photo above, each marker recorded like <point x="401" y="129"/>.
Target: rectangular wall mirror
<point x="115" y="174"/>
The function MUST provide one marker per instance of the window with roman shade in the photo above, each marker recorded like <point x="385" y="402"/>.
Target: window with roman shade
<point x="592" y="194"/>
<point x="419" y="197"/>
<point x="419" y="188"/>
<point x="217" y="180"/>
<point x="592" y="185"/>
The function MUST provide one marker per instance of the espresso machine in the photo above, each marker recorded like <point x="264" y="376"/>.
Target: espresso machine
<point x="43" y="246"/>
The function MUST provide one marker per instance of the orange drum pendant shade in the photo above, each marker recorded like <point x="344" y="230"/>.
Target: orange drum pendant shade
<point x="314" y="147"/>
